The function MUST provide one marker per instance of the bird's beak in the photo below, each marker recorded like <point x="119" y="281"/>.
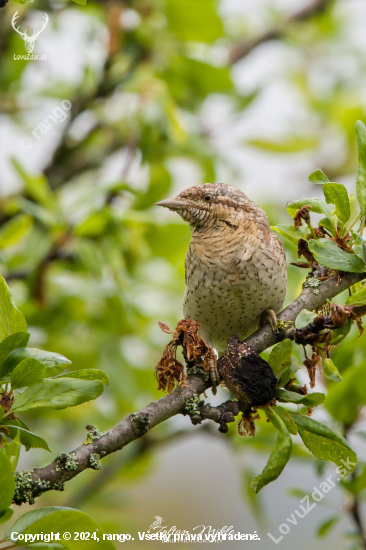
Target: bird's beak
<point x="172" y="204"/>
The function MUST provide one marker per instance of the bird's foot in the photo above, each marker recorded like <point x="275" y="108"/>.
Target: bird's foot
<point x="268" y="316"/>
<point x="214" y="375"/>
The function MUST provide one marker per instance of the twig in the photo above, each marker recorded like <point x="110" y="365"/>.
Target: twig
<point x="355" y="513"/>
<point x="265" y="337"/>
<point x="354" y="508"/>
<point x="34" y="483"/>
<point x="242" y="49"/>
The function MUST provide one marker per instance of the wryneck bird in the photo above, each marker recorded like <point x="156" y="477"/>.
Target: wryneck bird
<point x="236" y="275"/>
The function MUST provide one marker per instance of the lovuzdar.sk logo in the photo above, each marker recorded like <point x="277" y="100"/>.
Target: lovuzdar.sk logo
<point x="29" y="41"/>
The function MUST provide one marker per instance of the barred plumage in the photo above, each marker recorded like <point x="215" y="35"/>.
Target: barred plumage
<point x="235" y="266"/>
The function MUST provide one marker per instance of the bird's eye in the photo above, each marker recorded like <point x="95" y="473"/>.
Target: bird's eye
<point x="207" y="198"/>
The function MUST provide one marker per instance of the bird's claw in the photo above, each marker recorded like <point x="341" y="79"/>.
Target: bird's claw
<point x="268" y="316"/>
<point x="214" y="375"/>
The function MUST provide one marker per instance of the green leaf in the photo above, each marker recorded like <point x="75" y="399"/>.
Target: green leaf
<point x="62" y="520"/>
<point x="6" y="515"/>
<point x="39" y="213"/>
<point x="87" y="374"/>
<point x="27" y="438"/>
<point x="361" y="173"/>
<point x="336" y="193"/>
<point x="288" y="373"/>
<point x="13" y="230"/>
<point x="359" y="245"/>
<point x="357" y="299"/>
<point x="356" y="287"/>
<point x="81" y="2"/>
<point x="12" y="451"/>
<point x="159" y="185"/>
<point x="290" y="232"/>
<point x="7" y="482"/>
<point x="286" y="418"/>
<point x="357" y="483"/>
<point x="328" y="254"/>
<point x="10" y="343"/>
<point x="344" y="400"/>
<point x="36" y="186"/>
<point x="280" y="357"/>
<point x="318" y="176"/>
<point x="330" y="370"/>
<point x="194" y="20"/>
<point x="57" y="394"/>
<point x="323" y="442"/>
<point x="95" y="224"/>
<point x="27" y="372"/>
<point x="11" y="319"/>
<point x="279" y="456"/>
<point x="294" y="144"/>
<point x="310" y="400"/>
<point x="169" y="241"/>
<point x="190" y="81"/>
<point x="54" y="362"/>
<point x="30" y="440"/>
<point x="327" y="525"/>
<point x="304" y="318"/>
<point x="328" y="225"/>
<point x="340" y="333"/>
<point x="317" y="205"/>
<point x="253" y="500"/>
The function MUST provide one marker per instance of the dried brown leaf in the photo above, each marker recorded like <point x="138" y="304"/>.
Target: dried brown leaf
<point x="169" y="371"/>
<point x="194" y="348"/>
<point x="302" y="214"/>
<point x="246" y="425"/>
<point x="165" y="328"/>
<point x="303" y="250"/>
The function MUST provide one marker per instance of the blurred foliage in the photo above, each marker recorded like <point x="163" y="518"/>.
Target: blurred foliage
<point x="91" y="264"/>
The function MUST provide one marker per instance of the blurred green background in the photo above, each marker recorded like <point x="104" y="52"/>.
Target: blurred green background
<point x="166" y="94"/>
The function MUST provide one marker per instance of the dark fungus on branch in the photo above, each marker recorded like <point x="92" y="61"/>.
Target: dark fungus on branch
<point x="249" y="377"/>
<point x="53" y="476"/>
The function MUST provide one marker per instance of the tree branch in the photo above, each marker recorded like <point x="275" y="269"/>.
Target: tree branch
<point x="66" y="466"/>
<point x="137" y="450"/>
<point x="242" y="49"/>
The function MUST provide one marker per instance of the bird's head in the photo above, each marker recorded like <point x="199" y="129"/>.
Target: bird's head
<point x="213" y="204"/>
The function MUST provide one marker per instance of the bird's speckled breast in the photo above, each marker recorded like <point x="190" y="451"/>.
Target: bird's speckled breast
<point x="231" y="279"/>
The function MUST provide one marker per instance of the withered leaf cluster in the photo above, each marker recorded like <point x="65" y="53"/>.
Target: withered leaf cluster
<point x="6" y="401"/>
<point x="169" y="371"/>
<point x="318" y="333"/>
<point x="312" y="364"/>
<point x="342" y="242"/>
<point x="246" y="425"/>
<point x="338" y="317"/>
<point x="319" y="271"/>
<point x="303" y="213"/>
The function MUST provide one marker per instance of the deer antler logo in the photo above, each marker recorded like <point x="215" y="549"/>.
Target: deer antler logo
<point x="29" y="41"/>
